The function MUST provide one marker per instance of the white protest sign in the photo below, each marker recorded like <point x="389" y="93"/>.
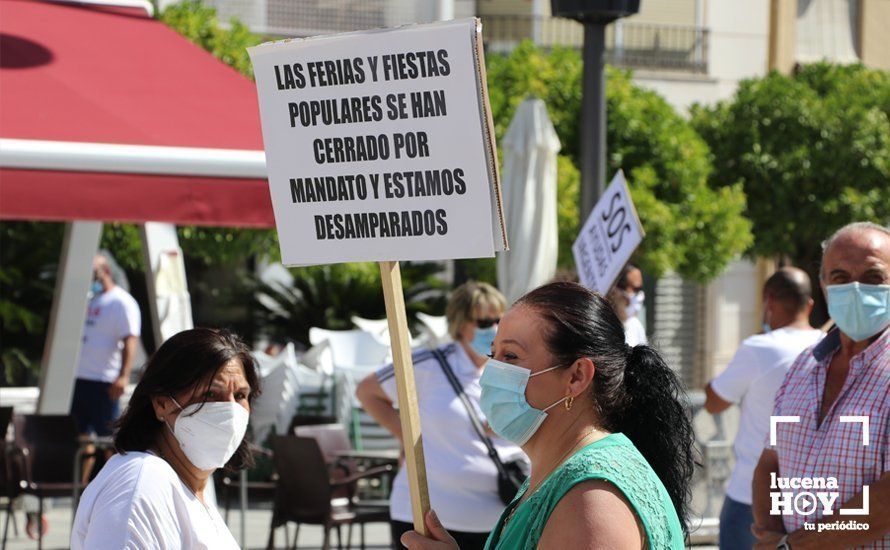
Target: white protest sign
<point x="378" y="145"/>
<point x="609" y="237"/>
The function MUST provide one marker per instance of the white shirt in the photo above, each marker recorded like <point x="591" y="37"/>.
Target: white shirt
<point x="137" y="501"/>
<point x="112" y="316"/>
<point x="462" y="478"/>
<point x="759" y="365"/>
<point x="634" y="333"/>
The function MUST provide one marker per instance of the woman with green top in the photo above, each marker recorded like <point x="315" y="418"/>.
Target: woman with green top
<point x="608" y="436"/>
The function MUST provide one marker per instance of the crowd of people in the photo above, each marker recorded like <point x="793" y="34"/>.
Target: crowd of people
<point x="557" y="380"/>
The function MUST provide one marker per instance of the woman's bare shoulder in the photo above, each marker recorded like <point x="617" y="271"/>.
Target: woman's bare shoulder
<point x="592" y="514"/>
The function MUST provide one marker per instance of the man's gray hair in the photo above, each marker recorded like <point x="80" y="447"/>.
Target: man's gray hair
<point x="854" y="227"/>
<point x="118" y="275"/>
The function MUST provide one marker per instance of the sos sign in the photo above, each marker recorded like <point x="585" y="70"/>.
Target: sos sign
<point x="608" y="238"/>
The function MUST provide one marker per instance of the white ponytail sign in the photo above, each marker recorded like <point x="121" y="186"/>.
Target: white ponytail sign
<point x="608" y="238"/>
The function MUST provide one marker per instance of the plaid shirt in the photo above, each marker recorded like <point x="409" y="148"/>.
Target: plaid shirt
<point x="834" y="448"/>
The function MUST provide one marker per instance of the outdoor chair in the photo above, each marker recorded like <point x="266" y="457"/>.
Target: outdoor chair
<point x="378" y="328"/>
<point x="262" y="489"/>
<point x="319" y="359"/>
<point x="434" y="329"/>
<point x="351" y="348"/>
<point x="307" y="494"/>
<point x="10" y="472"/>
<point x="300" y="419"/>
<point x="369" y="435"/>
<point x="48" y="446"/>
<point x="333" y="440"/>
<point x="273" y="409"/>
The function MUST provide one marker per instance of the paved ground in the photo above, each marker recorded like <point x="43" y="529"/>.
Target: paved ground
<point x="376" y="535"/>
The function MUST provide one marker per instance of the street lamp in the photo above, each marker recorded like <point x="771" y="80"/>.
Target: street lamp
<point x="595" y="15"/>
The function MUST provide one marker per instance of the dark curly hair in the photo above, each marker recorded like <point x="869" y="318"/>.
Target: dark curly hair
<point x="187" y="359"/>
<point x="634" y="391"/>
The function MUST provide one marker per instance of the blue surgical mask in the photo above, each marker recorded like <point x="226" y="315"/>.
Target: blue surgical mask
<point x="483" y="339"/>
<point x="859" y="310"/>
<point x="503" y="401"/>
<point x="96" y="288"/>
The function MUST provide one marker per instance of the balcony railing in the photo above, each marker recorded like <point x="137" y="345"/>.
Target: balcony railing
<point x="628" y="44"/>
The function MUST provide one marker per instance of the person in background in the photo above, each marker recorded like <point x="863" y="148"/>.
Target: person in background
<point x="847" y="374"/>
<point x="110" y="340"/>
<point x="605" y="425"/>
<point x="627" y="299"/>
<point x="461" y="475"/>
<point x="751" y="381"/>
<point x="275" y="346"/>
<point x="187" y="418"/>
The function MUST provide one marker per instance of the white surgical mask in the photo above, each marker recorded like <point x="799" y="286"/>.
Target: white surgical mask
<point x="210" y="433"/>
<point x="635" y="304"/>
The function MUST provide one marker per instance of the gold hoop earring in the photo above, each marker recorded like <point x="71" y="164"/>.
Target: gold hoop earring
<point x="570" y="400"/>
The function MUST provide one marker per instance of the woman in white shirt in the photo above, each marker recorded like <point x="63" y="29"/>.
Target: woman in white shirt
<point x="627" y="299"/>
<point x="187" y="417"/>
<point x="461" y="476"/>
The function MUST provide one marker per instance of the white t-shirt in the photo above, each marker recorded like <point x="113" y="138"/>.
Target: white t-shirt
<point x="137" y="501"/>
<point x="462" y="478"/>
<point x="760" y="365"/>
<point x="112" y="316"/>
<point x="634" y="333"/>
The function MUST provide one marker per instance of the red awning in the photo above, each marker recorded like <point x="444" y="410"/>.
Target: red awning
<point x="100" y="75"/>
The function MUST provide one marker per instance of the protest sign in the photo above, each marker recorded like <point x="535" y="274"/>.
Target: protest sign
<point x="608" y="238"/>
<point x="380" y="147"/>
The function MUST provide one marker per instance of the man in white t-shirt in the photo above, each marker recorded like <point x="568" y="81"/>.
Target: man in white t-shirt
<point x="751" y="381"/>
<point x="110" y="338"/>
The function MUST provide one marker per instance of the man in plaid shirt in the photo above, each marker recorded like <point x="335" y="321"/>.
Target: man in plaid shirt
<point x="835" y="404"/>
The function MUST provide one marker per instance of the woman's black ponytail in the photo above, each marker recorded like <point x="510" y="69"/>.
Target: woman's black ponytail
<point x="634" y="391"/>
<point x="655" y="418"/>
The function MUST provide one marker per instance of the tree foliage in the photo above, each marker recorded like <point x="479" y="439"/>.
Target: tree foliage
<point x="29" y="256"/>
<point x="328" y="296"/>
<point x="812" y="151"/>
<point x="199" y="23"/>
<point x="691" y="227"/>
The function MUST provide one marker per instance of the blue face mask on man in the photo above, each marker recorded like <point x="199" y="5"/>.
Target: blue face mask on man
<point x="860" y="311"/>
<point x="96" y="288"/>
<point x="504" y="404"/>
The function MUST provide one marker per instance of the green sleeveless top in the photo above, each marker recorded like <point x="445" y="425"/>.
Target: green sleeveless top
<point x="612" y="458"/>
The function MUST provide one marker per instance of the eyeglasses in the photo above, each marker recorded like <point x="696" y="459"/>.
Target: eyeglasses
<point x="486" y="323"/>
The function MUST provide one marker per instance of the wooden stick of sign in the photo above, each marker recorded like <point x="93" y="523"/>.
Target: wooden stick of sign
<point x="409" y="414"/>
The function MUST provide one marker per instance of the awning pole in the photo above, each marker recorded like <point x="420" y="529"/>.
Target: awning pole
<point x="69" y="309"/>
